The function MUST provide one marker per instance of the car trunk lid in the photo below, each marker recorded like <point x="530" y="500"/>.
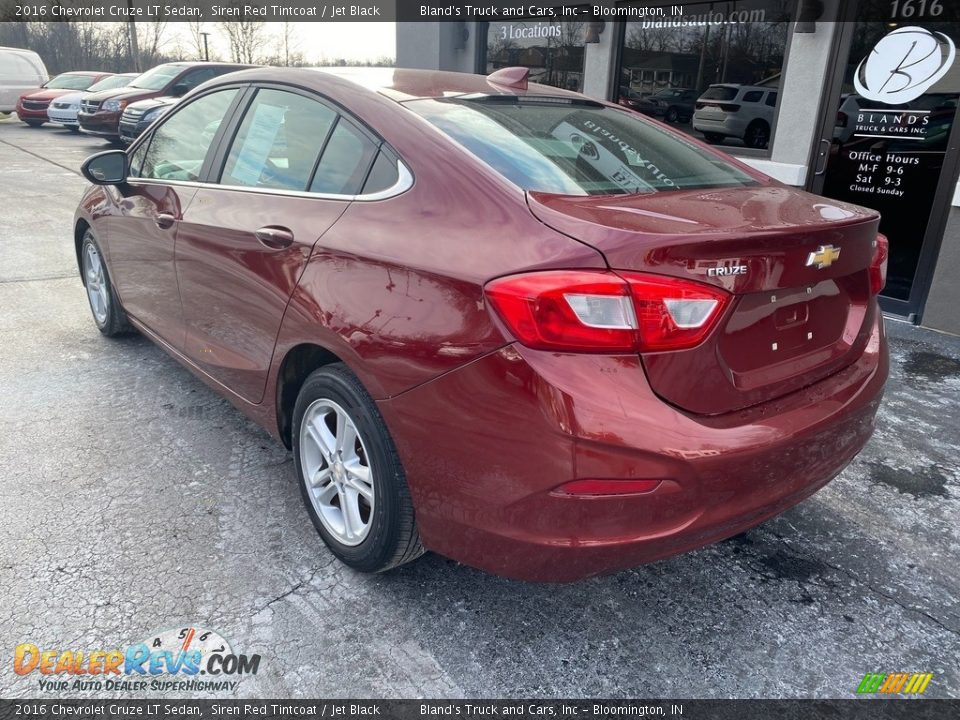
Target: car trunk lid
<point x="796" y="264"/>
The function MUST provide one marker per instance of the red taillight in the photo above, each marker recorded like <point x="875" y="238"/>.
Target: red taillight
<point x="605" y="312"/>
<point x="606" y="487"/>
<point x="878" y="266"/>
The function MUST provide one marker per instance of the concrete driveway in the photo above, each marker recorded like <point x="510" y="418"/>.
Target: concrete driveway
<point x="134" y="500"/>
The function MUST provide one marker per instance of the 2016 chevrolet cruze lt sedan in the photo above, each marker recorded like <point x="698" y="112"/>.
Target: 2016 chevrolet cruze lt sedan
<point x="537" y="333"/>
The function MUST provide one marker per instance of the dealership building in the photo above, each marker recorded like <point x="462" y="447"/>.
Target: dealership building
<point x="852" y="99"/>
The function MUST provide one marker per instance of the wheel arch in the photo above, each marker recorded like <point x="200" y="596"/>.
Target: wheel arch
<point x="297" y="364"/>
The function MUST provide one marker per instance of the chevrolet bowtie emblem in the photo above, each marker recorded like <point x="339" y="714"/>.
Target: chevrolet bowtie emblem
<point x="823" y="256"/>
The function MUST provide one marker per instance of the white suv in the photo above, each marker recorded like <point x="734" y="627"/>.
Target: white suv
<point x="736" y="111"/>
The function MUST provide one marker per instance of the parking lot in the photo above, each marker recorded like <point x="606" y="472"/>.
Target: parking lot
<point x="134" y="500"/>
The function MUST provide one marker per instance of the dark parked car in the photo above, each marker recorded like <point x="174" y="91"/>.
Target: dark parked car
<point x="671" y="104"/>
<point x="138" y="116"/>
<point x="528" y="330"/>
<point x="33" y="105"/>
<point x="100" y="112"/>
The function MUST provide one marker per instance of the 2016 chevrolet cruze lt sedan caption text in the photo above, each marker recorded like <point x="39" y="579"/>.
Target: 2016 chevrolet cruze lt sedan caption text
<point x="539" y="334"/>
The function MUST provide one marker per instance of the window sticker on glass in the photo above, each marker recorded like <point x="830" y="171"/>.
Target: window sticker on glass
<point x="261" y="136"/>
<point x="604" y="161"/>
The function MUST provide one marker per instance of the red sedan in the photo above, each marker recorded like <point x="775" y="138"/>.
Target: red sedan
<point x="536" y="333"/>
<point x="32" y="106"/>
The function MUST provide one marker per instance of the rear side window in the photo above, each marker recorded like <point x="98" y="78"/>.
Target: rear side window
<point x="753" y="96"/>
<point x="180" y="144"/>
<point x="383" y="175"/>
<point x="771" y="99"/>
<point x="719" y="92"/>
<point x="278" y="142"/>
<point x="576" y="147"/>
<point x="345" y="161"/>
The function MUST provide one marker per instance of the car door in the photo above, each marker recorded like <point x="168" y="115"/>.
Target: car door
<point x="288" y="174"/>
<point x="164" y="168"/>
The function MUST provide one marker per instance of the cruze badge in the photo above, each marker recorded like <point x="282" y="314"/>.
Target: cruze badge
<point x="725" y="270"/>
<point x="823" y="256"/>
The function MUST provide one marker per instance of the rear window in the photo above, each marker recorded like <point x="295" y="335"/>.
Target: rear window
<point x="575" y="147"/>
<point x="719" y="92"/>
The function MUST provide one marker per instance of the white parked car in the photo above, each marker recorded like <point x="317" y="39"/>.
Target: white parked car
<point x="736" y="111"/>
<point x="63" y="110"/>
<point x="20" y="70"/>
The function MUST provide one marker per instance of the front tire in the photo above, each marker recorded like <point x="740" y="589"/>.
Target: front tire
<point x="108" y="315"/>
<point x="350" y="475"/>
<point x="34" y="123"/>
<point x="672" y="115"/>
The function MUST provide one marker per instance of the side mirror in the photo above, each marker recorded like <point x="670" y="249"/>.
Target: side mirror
<point x="179" y="90"/>
<point x="106" y="168"/>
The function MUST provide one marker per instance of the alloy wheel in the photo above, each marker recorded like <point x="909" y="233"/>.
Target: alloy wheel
<point x="97" y="291"/>
<point x="337" y="471"/>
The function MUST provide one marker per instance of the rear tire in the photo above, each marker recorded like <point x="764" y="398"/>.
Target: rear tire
<point x="350" y="475"/>
<point x="108" y="314"/>
<point x="757" y="135"/>
<point x="74" y="128"/>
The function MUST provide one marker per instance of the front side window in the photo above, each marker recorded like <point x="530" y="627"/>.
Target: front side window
<point x="279" y="141"/>
<point x="576" y="147"/>
<point x="179" y="146"/>
<point x="719" y="51"/>
<point x="195" y="78"/>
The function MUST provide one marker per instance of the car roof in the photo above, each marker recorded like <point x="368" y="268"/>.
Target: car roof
<point x="84" y="72"/>
<point x="398" y="84"/>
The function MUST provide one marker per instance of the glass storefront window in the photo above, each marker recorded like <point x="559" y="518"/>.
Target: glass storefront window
<point x="552" y="50"/>
<point x="714" y="72"/>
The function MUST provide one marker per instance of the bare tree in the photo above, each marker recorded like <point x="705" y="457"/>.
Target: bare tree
<point x="195" y="32"/>
<point x="150" y="37"/>
<point x="247" y="38"/>
<point x="72" y="45"/>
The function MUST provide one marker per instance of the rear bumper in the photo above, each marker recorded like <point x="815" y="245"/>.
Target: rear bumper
<point x="485" y="445"/>
<point x="729" y="127"/>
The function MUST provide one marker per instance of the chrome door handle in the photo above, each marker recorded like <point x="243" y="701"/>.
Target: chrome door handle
<point x="275" y="237"/>
<point x="164" y="220"/>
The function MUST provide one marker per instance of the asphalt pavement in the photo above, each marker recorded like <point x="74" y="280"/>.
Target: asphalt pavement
<point x="134" y="500"/>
